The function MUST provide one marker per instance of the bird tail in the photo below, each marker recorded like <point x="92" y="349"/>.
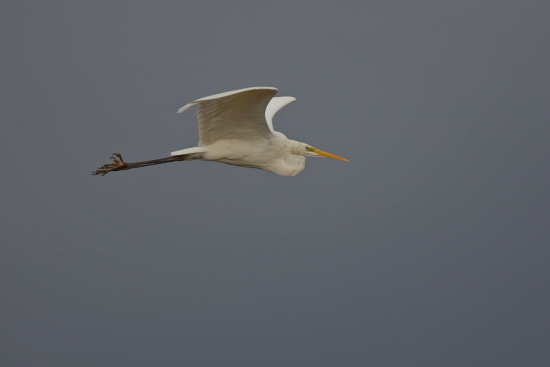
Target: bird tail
<point x="188" y="151"/>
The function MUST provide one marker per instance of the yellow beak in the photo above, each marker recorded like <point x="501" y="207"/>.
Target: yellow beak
<point x="328" y="155"/>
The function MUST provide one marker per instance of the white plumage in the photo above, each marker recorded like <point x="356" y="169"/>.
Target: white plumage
<point x="236" y="128"/>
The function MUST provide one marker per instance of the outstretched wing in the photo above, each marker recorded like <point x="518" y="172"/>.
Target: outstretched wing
<point x="238" y="114"/>
<point x="274" y="106"/>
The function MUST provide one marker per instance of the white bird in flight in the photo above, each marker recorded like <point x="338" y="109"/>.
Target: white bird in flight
<point x="236" y="128"/>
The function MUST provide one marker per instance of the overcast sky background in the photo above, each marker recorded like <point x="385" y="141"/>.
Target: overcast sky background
<point x="430" y="248"/>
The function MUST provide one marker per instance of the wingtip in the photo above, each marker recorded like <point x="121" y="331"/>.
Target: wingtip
<point x="186" y="107"/>
<point x="287" y="99"/>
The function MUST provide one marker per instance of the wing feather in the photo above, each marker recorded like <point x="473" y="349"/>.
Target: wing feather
<point x="274" y="106"/>
<point x="239" y="114"/>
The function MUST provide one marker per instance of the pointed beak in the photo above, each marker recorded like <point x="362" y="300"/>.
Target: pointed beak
<point x="328" y="155"/>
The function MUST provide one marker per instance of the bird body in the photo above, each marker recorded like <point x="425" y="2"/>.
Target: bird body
<point x="236" y="128"/>
<point x="273" y="154"/>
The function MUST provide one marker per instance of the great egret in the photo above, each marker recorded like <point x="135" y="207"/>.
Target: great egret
<point x="236" y="128"/>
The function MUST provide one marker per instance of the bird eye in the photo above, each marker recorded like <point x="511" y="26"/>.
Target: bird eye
<point x="309" y="149"/>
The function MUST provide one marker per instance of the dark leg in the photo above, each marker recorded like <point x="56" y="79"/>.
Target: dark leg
<point x="119" y="164"/>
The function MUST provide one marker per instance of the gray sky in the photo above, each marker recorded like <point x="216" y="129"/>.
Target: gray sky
<point x="430" y="248"/>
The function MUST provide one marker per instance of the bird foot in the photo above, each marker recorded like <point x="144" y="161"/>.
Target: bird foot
<point x="118" y="164"/>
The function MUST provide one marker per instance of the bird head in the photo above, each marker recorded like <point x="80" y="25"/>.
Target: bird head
<point x="309" y="151"/>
